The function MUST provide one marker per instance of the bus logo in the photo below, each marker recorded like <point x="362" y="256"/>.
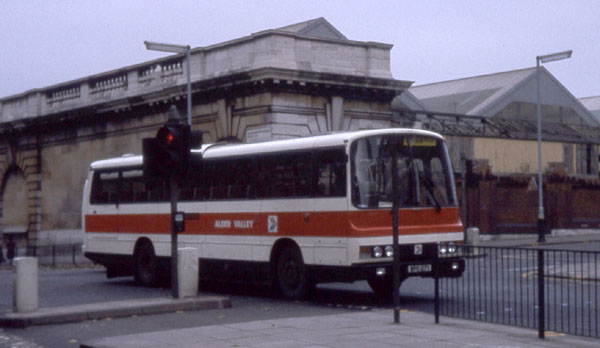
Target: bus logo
<point x="272" y="224"/>
<point x="418" y="249"/>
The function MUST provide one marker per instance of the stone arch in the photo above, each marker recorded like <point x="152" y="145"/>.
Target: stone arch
<point x="14" y="201"/>
<point x="20" y="172"/>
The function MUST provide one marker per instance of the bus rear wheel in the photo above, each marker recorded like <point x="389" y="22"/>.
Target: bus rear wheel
<point x="145" y="265"/>
<point x="292" y="277"/>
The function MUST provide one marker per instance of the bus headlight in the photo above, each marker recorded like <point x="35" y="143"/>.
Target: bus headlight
<point x="443" y="249"/>
<point x="451" y="248"/>
<point x="447" y="249"/>
<point x="377" y="251"/>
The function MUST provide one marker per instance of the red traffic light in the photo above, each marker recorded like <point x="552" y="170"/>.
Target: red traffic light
<point x="165" y="136"/>
<point x="168" y="153"/>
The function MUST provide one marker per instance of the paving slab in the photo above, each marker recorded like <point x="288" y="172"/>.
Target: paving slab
<point x="373" y="328"/>
<point x="114" y="309"/>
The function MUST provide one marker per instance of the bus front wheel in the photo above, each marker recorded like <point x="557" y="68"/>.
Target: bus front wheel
<point x="145" y="265"/>
<point x="292" y="277"/>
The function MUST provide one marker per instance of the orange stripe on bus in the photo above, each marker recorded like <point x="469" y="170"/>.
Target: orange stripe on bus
<point x="363" y="223"/>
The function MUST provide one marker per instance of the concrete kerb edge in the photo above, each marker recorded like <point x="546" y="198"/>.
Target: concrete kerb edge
<point x="117" y="309"/>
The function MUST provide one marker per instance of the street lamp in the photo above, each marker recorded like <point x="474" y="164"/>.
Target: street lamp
<point x="165" y="47"/>
<point x="543" y="59"/>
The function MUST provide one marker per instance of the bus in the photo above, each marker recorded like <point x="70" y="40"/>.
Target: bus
<point x="293" y="212"/>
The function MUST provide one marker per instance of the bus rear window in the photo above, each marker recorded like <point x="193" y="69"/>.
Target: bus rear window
<point x="126" y="186"/>
<point x="105" y="188"/>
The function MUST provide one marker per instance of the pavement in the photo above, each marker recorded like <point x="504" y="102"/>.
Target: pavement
<point x="372" y="328"/>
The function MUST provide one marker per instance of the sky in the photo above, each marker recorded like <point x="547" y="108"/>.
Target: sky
<point x="43" y="43"/>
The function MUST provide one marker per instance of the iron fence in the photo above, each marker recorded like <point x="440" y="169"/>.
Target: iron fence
<point x="556" y="290"/>
<point x="52" y="254"/>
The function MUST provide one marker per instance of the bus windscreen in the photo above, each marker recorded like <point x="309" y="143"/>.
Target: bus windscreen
<point x="423" y="169"/>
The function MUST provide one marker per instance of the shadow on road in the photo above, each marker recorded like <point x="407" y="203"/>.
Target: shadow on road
<point x="355" y="295"/>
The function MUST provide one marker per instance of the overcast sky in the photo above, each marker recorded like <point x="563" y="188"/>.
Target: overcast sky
<point x="48" y="42"/>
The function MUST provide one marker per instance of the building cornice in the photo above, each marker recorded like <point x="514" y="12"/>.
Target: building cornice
<point x="353" y="62"/>
<point x="262" y="80"/>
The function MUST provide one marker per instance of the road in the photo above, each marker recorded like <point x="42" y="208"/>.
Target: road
<point x="501" y="285"/>
<point x="78" y="286"/>
<point x="89" y="285"/>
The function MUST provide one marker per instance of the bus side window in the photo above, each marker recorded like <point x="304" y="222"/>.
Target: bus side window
<point x="159" y="191"/>
<point x="241" y="183"/>
<point x="331" y="173"/>
<point x="219" y="177"/>
<point x="263" y="180"/>
<point x="284" y="175"/>
<point x="303" y="173"/>
<point x="194" y="186"/>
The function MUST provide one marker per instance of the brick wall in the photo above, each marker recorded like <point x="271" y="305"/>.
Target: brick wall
<point x="509" y="203"/>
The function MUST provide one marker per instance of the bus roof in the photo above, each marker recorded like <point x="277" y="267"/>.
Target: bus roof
<point x="216" y="150"/>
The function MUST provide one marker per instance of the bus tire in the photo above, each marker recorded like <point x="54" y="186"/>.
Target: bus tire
<point x="292" y="278"/>
<point x="145" y="265"/>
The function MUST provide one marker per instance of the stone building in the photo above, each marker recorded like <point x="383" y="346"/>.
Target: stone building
<point x="302" y="79"/>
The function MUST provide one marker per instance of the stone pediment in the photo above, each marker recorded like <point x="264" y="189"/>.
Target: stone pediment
<point x="318" y="27"/>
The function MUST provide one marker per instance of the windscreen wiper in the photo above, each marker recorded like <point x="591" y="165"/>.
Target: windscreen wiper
<point x="429" y="191"/>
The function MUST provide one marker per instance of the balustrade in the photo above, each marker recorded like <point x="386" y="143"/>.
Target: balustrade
<point x="63" y="94"/>
<point x="168" y="71"/>
<point x="146" y="74"/>
<point x="117" y="82"/>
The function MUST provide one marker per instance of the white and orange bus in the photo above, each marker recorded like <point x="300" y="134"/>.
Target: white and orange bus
<point x="294" y="212"/>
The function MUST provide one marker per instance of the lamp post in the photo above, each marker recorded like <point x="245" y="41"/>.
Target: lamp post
<point x="543" y="59"/>
<point x="172" y="48"/>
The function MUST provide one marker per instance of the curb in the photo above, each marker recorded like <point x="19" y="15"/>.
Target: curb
<point x="115" y="309"/>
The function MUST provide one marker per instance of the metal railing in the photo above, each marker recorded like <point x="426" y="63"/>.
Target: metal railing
<point x="556" y="290"/>
<point x="52" y="254"/>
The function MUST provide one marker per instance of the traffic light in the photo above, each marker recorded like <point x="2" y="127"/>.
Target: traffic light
<point x="168" y="153"/>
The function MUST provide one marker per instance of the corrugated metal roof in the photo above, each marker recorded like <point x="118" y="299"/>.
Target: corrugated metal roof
<point x="407" y="100"/>
<point x="470" y="95"/>
<point x="488" y="95"/>
<point x="592" y="104"/>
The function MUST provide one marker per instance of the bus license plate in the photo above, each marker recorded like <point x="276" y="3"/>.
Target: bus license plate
<point x="419" y="268"/>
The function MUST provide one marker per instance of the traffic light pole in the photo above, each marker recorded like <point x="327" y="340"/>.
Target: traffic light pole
<point x="167" y="156"/>
<point x="396" y="259"/>
<point x="173" y="195"/>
